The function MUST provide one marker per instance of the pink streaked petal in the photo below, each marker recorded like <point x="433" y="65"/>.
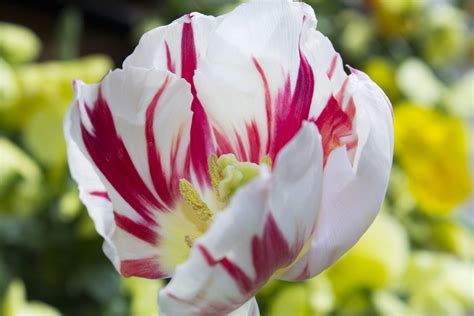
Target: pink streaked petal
<point x="134" y="118"/>
<point x="107" y="150"/>
<point x="139" y="230"/>
<point x="148" y="268"/>
<point x="292" y="110"/>
<point x="355" y="189"/>
<point x="157" y="174"/>
<point x="263" y="230"/>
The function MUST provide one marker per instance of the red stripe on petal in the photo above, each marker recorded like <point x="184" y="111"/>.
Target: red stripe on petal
<point x="254" y="142"/>
<point x="335" y="127"/>
<point x="201" y="141"/>
<point x="268" y="102"/>
<point x="332" y="68"/>
<point x="101" y="194"/>
<point x="169" y="61"/>
<point x="157" y="173"/>
<point x="270" y="252"/>
<point x="145" y="268"/>
<point x="138" y="230"/>
<point x="107" y="150"/>
<point x="243" y="282"/>
<point x="223" y="144"/>
<point x="292" y="110"/>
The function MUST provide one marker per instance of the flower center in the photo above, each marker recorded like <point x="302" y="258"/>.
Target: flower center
<point x="195" y="212"/>
<point x="227" y="174"/>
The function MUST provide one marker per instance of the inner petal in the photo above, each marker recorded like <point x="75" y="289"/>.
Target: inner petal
<point x="195" y="211"/>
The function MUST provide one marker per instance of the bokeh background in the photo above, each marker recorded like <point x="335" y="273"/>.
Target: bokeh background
<point x="417" y="258"/>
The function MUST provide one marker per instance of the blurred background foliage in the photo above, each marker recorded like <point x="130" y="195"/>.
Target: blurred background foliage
<point x="417" y="258"/>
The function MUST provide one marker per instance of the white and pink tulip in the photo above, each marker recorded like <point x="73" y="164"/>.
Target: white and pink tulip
<point x="228" y="151"/>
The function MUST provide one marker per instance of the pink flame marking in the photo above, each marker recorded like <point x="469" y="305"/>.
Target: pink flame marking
<point x="270" y="252"/>
<point x="268" y="102"/>
<point x="292" y="110"/>
<point x="157" y="173"/>
<point x="334" y="124"/>
<point x="107" y="150"/>
<point x="139" y="230"/>
<point x="254" y="142"/>
<point x="201" y="140"/>
<point x="101" y="194"/>
<point x="332" y="68"/>
<point x="145" y="268"/>
<point x="241" y="152"/>
<point x="223" y="143"/>
<point x="169" y="61"/>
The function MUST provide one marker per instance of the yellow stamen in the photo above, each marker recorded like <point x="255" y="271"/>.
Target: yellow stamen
<point x="267" y="161"/>
<point x="189" y="241"/>
<point x="201" y="214"/>
<point x="214" y="173"/>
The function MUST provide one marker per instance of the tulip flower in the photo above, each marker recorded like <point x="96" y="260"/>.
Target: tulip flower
<point x="228" y="151"/>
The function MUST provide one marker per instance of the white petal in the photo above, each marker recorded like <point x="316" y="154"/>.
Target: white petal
<point x="352" y="194"/>
<point x="263" y="229"/>
<point x="113" y="129"/>
<point x="161" y="48"/>
<point x="260" y="80"/>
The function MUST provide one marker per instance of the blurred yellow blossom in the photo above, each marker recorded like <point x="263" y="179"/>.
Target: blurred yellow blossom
<point x="143" y="296"/>
<point x="445" y="36"/>
<point x="439" y="284"/>
<point x="20" y="180"/>
<point x="18" y="44"/>
<point x="431" y="148"/>
<point x="45" y="84"/>
<point x="460" y="98"/>
<point x="291" y="300"/>
<point x="383" y="73"/>
<point x="397" y="17"/>
<point x="378" y="259"/>
<point x="9" y="91"/>
<point x="15" y="303"/>
<point x="451" y="236"/>
<point x="418" y="82"/>
<point x="321" y="297"/>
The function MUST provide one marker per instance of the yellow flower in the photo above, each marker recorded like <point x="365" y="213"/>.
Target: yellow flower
<point x="20" y="180"/>
<point x="15" y="303"/>
<point x="431" y="148"/>
<point x="143" y="296"/>
<point x="376" y="261"/>
<point x="383" y="73"/>
<point x="18" y="44"/>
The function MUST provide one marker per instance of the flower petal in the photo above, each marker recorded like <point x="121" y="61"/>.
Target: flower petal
<point x="258" y="82"/>
<point x="352" y="192"/>
<point x="263" y="230"/>
<point x="126" y="173"/>
<point x="178" y="48"/>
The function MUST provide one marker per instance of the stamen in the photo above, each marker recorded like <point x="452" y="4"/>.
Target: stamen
<point x="215" y="174"/>
<point x="266" y="160"/>
<point x="189" y="241"/>
<point x="193" y="199"/>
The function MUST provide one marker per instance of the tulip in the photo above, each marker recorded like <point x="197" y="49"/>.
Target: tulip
<point x="229" y="151"/>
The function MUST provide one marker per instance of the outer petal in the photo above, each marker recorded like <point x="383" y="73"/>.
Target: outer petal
<point x="124" y="172"/>
<point x="179" y="48"/>
<point x="264" y="229"/>
<point x="166" y="48"/>
<point x="255" y="81"/>
<point x="352" y="193"/>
